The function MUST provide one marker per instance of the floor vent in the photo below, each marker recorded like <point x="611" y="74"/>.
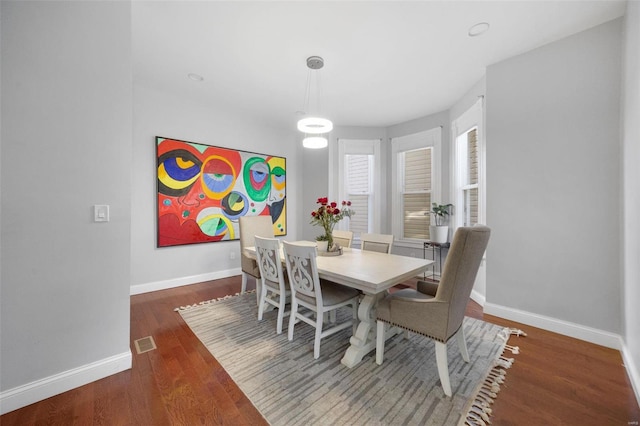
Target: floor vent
<point x="145" y="344"/>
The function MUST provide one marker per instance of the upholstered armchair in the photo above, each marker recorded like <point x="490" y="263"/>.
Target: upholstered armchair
<point x="437" y="310"/>
<point x="250" y="226"/>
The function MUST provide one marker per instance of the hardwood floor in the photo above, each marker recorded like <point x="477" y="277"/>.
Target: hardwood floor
<point x="555" y="380"/>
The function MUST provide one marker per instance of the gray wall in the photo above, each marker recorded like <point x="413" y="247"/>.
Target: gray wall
<point x="468" y="99"/>
<point x="315" y="184"/>
<point x="66" y="145"/>
<point x="631" y="191"/>
<point x="553" y="179"/>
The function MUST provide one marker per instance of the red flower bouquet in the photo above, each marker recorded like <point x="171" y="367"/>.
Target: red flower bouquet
<point x="327" y="215"/>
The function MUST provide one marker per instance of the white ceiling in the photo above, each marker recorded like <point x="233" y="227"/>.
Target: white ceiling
<point x="385" y="62"/>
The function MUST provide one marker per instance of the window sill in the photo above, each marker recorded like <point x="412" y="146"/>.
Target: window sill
<point x="413" y="244"/>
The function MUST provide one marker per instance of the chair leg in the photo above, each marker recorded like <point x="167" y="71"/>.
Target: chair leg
<point x="292" y="318"/>
<point x="258" y="289"/>
<point x="380" y="343"/>
<point x="261" y="301"/>
<point x="280" y="313"/>
<point x="316" y="343"/>
<point x="443" y="367"/>
<point x="243" y="289"/>
<point x="462" y="344"/>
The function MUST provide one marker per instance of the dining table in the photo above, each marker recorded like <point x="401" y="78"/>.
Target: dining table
<point x="373" y="274"/>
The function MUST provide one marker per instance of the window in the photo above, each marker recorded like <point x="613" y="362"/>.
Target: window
<point x="467" y="145"/>
<point x="468" y="186"/>
<point x="359" y="190"/>
<point x="416" y="184"/>
<point x="359" y="182"/>
<point x="467" y="156"/>
<point x="415" y="192"/>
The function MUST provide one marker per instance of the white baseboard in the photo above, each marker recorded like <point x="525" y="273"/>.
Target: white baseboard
<point x="588" y="334"/>
<point x="38" y="390"/>
<point x="178" y="282"/>
<point x="632" y="371"/>
<point x="478" y="298"/>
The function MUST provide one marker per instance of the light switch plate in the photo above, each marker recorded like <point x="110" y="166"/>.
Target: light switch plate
<point x="101" y="213"/>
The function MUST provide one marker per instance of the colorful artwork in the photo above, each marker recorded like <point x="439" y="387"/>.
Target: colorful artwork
<point x="203" y="190"/>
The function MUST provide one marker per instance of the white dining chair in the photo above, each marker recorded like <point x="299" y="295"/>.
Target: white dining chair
<point x="381" y="243"/>
<point x="318" y="296"/>
<point x="342" y="238"/>
<point x="273" y="281"/>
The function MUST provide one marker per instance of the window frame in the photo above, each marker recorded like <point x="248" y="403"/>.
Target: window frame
<point x="371" y="147"/>
<point x="463" y="176"/>
<point x="466" y="122"/>
<point x="429" y="138"/>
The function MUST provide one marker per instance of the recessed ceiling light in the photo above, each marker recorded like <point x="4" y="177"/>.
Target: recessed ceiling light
<point x="478" y="29"/>
<point x="195" y="77"/>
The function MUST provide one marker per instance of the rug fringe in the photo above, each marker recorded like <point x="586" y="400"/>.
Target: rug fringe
<point x="517" y="332"/>
<point x="206" y="302"/>
<point x="479" y="411"/>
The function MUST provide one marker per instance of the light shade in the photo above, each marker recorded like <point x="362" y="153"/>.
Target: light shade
<point x="315" y="125"/>
<point x="315" y="142"/>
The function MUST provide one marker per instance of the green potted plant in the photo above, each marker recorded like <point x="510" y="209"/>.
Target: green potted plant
<point x="439" y="233"/>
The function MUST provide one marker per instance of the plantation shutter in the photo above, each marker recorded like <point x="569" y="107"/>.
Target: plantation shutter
<point x="359" y="190"/>
<point x="416" y="194"/>
<point x="470" y="190"/>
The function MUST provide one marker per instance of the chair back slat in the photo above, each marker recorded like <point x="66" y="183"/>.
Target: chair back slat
<point x="381" y="243"/>
<point x="303" y="271"/>
<point x="268" y="254"/>
<point x="342" y="238"/>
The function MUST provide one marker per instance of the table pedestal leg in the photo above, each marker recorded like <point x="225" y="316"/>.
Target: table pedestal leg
<point x="364" y="341"/>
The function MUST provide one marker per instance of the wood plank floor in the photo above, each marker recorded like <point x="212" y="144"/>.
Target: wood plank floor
<point x="555" y="380"/>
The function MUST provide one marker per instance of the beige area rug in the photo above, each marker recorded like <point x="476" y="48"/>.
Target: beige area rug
<point x="289" y="387"/>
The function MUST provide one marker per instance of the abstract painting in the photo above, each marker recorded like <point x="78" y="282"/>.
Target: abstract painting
<point x="203" y="190"/>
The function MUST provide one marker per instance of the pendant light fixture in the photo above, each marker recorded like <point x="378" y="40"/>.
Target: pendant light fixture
<point x="313" y="125"/>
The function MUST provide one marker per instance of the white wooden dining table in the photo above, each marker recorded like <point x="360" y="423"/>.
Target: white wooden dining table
<point x="372" y="273"/>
